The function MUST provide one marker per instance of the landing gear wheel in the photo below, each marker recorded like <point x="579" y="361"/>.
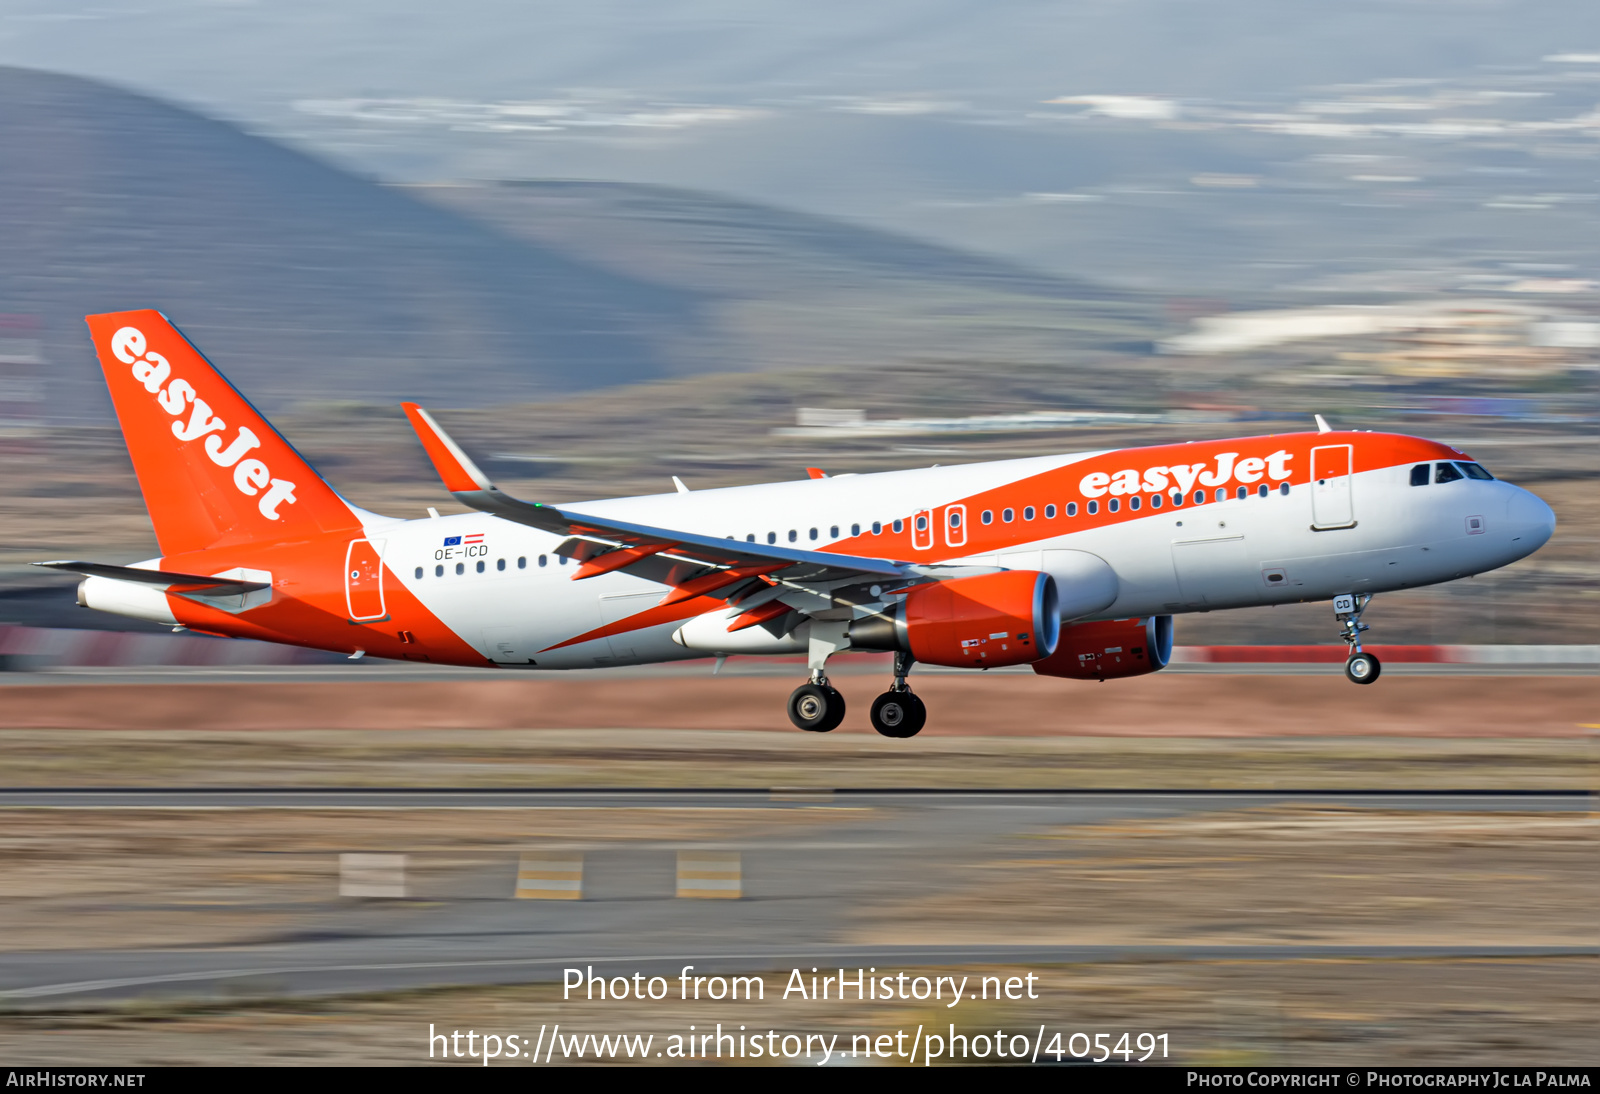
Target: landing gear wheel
<point x="1362" y="668"/>
<point x="898" y="714"/>
<point x="816" y="708"/>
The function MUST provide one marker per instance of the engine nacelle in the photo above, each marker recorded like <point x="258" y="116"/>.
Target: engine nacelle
<point x="985" y="621"/>
<point x="1111" y="649"/>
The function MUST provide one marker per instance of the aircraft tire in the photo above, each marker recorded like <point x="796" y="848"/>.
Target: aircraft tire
<point x="1362" y="668"/>
<point x="816" y="708"/>
<point x="899" y="714"/>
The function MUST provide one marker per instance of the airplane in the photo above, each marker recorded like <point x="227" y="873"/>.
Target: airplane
<point x="1072" y="564"/>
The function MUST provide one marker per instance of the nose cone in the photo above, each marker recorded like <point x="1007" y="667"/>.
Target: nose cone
<point x="1532" y="521"/>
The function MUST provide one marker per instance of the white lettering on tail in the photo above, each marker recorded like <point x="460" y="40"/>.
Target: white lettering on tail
<point x="250" y="476"/>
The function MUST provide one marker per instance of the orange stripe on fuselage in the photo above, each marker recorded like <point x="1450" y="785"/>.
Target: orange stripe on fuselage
<point x="1063" y="485"/>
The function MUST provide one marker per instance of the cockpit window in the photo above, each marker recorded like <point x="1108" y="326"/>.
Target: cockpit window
<point x="1475" y="471"/>
<point x="1420" y="474"/>
<point x="1446" y="472"/>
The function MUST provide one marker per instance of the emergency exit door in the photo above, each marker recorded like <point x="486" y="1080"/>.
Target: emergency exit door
<point x="363" y="580"/>
<point x="1331" y="504"/>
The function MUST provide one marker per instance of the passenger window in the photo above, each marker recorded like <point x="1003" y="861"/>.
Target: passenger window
<point x="543" y="559"/>
<point x="988" y="516"/>
<point x="480" y="565"/>
<point x="1222" y="493"/>
<point x="1133" y="503"/>
<point x="500" y="564"/>
<point x="772" y="537"/>
<point x="1155" y="501"/>
<point x="813" y="534"/>
<point x="1476" y="471"/>
<point x="1113" y="505"/>
<point x="419" y="573"/>
<point x="1242" y="493"/>
<point x="1008" y="515"/>
<point x="751" y="538"/>
<point x="1446" y="472"/>
<point x="1027" y="514"/>
<point x="922" y="524"/>
<point x="1049" y="512"/>
<point x="561" y="560"/>
<point x="877" y="528"/>
<point x="1072" y="508"/>
<point x="899" y="526"/>
<point x="1093" y="507"/>
<point x="438" y="571"/>
<point x="522" y="562"/>
<point x="955" y="518"/>
<point x="833" y="532"/>
<point x="1199" y="497"/>
<point x="1177" y="497"/>
<point x="1261" y="491"/>
<point x="1419" y="475"/>
<point x="855" y="529"/>
<point x="461" y="567"/>
<point x="1283" y="488"/>
<point x="793" y="535"/>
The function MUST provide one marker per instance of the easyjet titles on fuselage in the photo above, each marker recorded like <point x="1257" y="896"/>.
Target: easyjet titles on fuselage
<point x="1182" y="477"/>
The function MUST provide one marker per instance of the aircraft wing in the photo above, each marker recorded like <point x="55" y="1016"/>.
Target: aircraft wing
<point x="181" y="583"/>
<point x="684" y="559"/>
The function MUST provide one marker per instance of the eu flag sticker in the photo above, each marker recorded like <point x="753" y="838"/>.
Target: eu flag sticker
<point x="452" y="541"/>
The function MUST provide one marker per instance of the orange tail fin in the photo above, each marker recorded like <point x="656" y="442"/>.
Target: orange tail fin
<point x="213" y="471"/>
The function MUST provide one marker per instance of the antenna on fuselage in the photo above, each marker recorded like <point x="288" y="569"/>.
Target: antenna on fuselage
<point x="1322" y="424"/>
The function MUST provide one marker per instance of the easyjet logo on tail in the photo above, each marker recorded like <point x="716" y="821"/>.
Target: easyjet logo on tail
<point x="175" y="395"/>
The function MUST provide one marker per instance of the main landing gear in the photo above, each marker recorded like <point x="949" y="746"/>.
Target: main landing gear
<point x="816" y="707"/>
<point x="898" y="712"/>
<point x="1360" y="667"/>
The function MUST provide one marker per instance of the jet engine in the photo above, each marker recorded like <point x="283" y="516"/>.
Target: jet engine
<point x="1007" y="618"/>
<point x="1110" y="649"/>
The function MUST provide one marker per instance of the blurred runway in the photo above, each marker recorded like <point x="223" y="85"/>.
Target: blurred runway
<point x="822" y="875"/>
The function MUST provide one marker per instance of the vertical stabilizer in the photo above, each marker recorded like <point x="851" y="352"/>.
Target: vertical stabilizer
<point x="213" y="471"/>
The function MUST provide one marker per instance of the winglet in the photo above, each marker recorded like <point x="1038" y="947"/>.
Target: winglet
<point x="816" y="472"/>
<point x="455" y="467"/>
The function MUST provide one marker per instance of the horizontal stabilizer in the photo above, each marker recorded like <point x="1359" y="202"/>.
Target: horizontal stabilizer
<point x="211" y="586"/>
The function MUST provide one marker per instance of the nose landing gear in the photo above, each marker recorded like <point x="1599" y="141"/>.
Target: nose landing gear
<point x="1360" y="667"/>
<point x="898" y="712"/>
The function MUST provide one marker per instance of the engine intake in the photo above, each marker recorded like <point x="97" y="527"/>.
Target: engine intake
<point x="1110" y="650"/>
<point x="986" y="621"/>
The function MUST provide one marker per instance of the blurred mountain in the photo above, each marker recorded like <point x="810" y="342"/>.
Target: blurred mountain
<point x="723" y="246"/>
<point x="307" y="283"/>
<point x="299" y="278"/>
<point x="1219" y="149"/>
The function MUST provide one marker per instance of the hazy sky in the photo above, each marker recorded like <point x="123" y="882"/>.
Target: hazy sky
<point x="254" y="60"/>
